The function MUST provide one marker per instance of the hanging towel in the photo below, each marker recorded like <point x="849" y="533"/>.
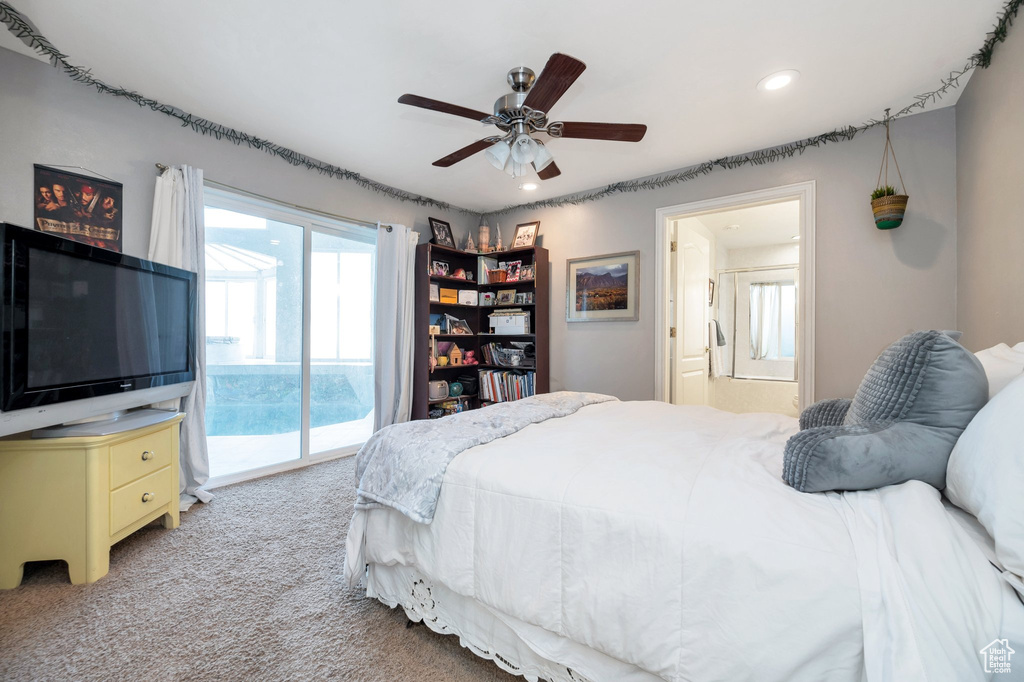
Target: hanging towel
<point x="715" y="342"/>
<point x="720" y="340"/>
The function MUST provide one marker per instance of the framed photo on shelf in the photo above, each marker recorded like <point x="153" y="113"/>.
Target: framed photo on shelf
<point x="442" y="232"/>
<point x="486" y="298"/>
<point x="435" y="292"/>
<point x="603" y="288"/>
<point x="456" y="326"/>
<point x="439" y="267"/>
<point x="521" y="298"/>
<point x="526" y="273"/>
<point x="512" y="268"/>
<point x="506" y="296"/>
<point x="525" y="235"/>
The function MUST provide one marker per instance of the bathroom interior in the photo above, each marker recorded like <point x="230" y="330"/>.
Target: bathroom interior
<point x="753" y="307"/>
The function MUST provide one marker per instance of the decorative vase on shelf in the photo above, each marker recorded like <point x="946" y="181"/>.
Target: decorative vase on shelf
<point x="498" y="246"/>
<point x="483" y="236"/>
<point x="470" y="246"/>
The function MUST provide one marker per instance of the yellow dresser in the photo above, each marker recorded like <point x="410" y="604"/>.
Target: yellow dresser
<point x="72" y="498"/>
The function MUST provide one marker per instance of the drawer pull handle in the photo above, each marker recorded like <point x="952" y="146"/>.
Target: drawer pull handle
<point x="146" y="497"/>
<point x="146" y="455"/>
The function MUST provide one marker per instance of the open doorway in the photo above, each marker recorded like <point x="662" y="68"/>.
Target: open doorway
<point x="735" y="302"/>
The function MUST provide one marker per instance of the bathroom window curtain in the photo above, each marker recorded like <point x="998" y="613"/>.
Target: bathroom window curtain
<point x="765" y="298"/>
<point x="394" y="326"/>
<point x="177" y="238"/>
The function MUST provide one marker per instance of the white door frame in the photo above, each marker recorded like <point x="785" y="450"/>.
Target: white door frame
<point x="804" y="191"/>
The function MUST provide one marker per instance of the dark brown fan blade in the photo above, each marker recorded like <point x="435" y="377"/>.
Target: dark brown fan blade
<point x="550" y="171"/>
<point x="622" y="132"/>
<point x="443" y="107"/>
<point x="464" y="153"/>
<point x="559" y="73"/>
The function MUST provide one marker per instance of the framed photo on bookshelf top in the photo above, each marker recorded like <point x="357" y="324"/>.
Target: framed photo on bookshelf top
<point x="506" y="296"/>
<point x="525" y="235"/>
<point x="442" y="232"/>
<point x="603" y="288"/>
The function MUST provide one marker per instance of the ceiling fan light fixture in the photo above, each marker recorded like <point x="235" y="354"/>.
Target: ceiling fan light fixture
<point x="542" y="159"/>
<point x="515" y="169"/>
<point x="524" y="149"/>
<point x="497" y="154"/>
<point x="529" y="186"/>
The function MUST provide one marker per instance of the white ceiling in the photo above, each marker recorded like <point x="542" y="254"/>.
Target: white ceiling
<point x="751" y="226"/>
<point x="323" y="77"/>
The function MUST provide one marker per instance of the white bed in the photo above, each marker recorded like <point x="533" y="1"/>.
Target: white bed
<point x="644" y="541"/>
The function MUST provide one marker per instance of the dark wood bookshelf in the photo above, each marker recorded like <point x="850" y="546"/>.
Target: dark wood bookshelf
<point x="477" y="318"/>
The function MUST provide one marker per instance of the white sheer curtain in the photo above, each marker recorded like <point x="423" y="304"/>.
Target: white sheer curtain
<point x="177" y="237"/>
<point x="764" y="320"/>
<point x="394" y="325"/>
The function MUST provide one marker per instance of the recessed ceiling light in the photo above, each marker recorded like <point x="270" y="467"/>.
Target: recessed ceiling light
<point x="795" y="237"/>
<point x="777" y="80"/>
<point x="528" y="186"/>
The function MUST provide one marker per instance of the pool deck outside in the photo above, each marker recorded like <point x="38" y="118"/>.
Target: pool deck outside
<point x="233" y="454"/>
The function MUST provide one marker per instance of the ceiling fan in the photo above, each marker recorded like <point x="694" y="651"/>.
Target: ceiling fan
<point x="524" y="111"/>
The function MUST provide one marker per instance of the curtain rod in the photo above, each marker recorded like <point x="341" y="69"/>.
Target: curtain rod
<point x="791" y="266"/>
<point x="162" y="167"/>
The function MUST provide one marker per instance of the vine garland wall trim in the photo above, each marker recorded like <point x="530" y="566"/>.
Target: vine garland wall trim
<point x="982" y="58"/>
<point x="23" y="29"/>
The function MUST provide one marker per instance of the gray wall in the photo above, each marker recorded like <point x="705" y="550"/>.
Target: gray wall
<point x="872" y="286"/>
<point x="990" y="203"/>
<point x="47" y="118"/>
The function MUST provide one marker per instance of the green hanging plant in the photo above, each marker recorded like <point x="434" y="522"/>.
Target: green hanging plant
<point x="888" y="205"/>
<point x="886" y="191"/>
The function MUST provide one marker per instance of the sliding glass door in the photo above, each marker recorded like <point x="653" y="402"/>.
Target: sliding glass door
<point x="289" y="334"/>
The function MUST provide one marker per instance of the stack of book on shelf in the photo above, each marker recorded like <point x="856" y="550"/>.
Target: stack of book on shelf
<point x="501" y="386"/>
<point x="519" y="355"/>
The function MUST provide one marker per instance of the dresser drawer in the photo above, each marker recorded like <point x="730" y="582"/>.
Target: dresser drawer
<point x="135" y="500"/>
<point x="139" y="457"/>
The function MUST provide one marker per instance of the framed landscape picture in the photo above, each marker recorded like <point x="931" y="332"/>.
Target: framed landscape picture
<point x="603" y="288"/>
<point x="442" y="232"/>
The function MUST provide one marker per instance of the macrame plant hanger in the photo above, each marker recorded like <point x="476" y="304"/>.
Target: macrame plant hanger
<point x="888" y="206"/>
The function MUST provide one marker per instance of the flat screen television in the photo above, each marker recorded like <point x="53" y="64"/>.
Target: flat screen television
<point x="81" y="322"/>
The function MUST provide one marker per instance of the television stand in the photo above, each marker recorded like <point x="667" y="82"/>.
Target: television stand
<point x="72" y="497"/>
<point x="124" y="421"/>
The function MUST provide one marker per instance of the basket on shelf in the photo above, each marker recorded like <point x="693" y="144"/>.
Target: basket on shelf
<point x="888" y="206"/>
<point x="496" y="276"/>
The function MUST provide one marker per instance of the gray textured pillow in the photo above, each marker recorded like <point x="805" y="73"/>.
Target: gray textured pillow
<point x="909" y="410"/>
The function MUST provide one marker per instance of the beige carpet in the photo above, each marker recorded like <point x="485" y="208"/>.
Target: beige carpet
<point x="248" y="588"/>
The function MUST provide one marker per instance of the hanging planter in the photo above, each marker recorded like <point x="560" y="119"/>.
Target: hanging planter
<point x="888" y="205"/>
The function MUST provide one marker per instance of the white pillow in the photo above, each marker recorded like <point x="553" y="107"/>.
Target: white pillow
<point x="985" y="474"/>
<point x="1002" y="365"/>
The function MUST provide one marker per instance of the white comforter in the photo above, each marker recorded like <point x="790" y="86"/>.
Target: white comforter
<point x="664" y="537"/>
